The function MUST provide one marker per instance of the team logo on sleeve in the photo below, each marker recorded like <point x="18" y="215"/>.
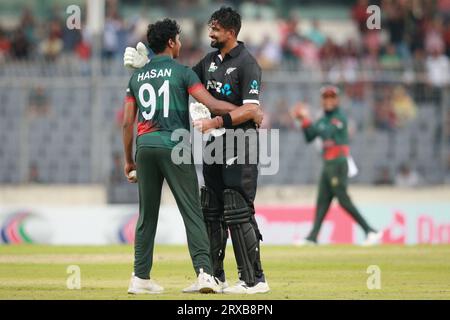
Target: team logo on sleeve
<point x="254" y="87"/>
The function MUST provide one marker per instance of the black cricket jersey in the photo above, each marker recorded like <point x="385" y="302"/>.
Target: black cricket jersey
<point x="235" y="78"/>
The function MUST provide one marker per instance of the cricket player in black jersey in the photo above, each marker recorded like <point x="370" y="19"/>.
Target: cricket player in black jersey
<point x="231" y="74"/>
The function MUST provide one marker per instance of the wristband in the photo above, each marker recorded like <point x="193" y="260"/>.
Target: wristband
<point x="227" y="122"/>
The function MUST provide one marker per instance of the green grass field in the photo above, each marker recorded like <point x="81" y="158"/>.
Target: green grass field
<point x="325" y="272"/>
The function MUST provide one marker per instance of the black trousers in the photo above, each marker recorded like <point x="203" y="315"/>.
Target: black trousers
<point x="238" y="169"/>
<point x="241" y="177"/>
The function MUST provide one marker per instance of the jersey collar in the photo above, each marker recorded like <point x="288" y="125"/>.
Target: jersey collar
<point x="161" y="57"/>
<point x="233" y="52"/>
<point x="236" y="50"/>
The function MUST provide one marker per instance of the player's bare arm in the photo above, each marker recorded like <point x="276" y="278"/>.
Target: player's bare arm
<point x="237" y="115"/>
<point x="240" y="115"/>
<point x="218" y="107"/>
<point x="129" y="118"/>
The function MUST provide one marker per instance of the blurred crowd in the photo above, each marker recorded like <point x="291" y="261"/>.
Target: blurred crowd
<point x="50" y="39"/>
<point x="414" y="34"/>
<point x="414" y="40"/>
<point x="409" y="58"/>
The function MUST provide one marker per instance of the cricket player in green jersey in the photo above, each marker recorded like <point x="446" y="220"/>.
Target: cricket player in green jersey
<point x="158" y="93"/>
<point x="332" y="129"/>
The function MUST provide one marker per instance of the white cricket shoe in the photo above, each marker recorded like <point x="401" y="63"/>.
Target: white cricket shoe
<point x="373" y="238"/>
<point x="207" y="283"/>
<point x="241" y="288"/>
<point x="195" y="287"/>
<point x="304" y="243"/>
<point x="143" y="286"/>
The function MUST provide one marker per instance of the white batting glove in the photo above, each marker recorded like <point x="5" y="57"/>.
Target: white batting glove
<point x="136" y="58"/>
<point x="200" y="111"/>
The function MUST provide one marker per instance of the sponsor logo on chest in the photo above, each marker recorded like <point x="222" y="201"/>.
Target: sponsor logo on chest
<point x="219" y="87"/>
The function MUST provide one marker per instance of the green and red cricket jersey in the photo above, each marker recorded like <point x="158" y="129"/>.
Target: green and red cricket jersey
<point x="332" y="128"/>
<point x="161" y="91"/>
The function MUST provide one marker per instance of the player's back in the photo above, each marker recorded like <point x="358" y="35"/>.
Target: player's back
<point x="160" y="90"/>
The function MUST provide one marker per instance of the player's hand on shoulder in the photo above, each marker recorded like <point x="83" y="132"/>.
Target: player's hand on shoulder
<point x="135" y="58"/>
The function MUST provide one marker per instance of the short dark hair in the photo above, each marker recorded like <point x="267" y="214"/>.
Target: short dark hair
<point x="227" y="18"/>
<point x="159" y="33"/>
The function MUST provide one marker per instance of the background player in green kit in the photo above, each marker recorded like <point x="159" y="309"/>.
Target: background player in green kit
<point x="158" y="93"/>
<point x="332" y="129"/>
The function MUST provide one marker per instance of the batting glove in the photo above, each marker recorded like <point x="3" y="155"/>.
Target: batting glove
<point x="136" y="58"/>
<point x="199" y="111"/>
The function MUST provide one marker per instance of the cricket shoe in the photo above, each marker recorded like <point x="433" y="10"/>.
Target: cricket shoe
<point x="143" y="286"/>
<point x="197" y="285"/>
<point x="373" y="238"/>
<point x="241" y="288"/>
<point x="305" y="243"/>
<point x="207" y="283"/>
